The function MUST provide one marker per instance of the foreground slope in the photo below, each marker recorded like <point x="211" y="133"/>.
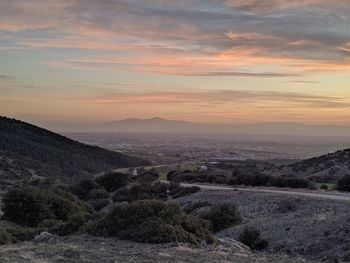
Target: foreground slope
<point x="86" y="249"/>
<point x="325" y="168"/>
<point x="27" y="151"/>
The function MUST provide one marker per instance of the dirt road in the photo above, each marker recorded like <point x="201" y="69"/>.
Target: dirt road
<point x="315" y="194"/>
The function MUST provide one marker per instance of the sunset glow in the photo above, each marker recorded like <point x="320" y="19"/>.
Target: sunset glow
<point x="213" y="61"/>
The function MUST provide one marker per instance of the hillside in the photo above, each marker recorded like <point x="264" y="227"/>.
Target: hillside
<point x="325" y="168"/>
<point x="27" y="151"/>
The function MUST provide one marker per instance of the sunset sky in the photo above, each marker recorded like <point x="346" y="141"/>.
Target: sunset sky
<point x="213" y="61"/>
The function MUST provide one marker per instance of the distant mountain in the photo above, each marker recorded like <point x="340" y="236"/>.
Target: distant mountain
<point x="27" y="151"/>
<point x="327" y="168"/>
<point x="150" y="125"/>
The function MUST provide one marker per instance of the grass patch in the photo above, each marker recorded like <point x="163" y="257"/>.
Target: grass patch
<point x="330" y="186"/>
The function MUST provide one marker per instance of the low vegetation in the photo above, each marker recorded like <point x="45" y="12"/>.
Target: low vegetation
<point x="156" y="190"/>
<point x="112" y="181"/>
<point x="254" y="179"/>
<point x="151" y="221"/>
<point x="31" y="205"/>
<point x="343" y="183"/>
<point x="250" y="237"/>
<point x="222" y="216"/>
<point x="13" y="234"/>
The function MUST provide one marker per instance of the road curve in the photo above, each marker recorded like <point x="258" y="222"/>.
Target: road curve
<point x="330" y="196"/>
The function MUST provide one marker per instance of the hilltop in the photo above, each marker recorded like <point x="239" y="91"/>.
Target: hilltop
<point x="325" y="168"/>
<point x="28" y="151"/>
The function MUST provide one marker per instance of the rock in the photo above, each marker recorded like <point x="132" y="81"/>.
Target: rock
<point x="44" y="237"/>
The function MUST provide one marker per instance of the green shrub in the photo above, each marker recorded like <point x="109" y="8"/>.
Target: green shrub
<point x="217" y="179"/>
<point x="343" y="183"/>
<point x="194" y="206"/>
<point x="13" y="234"/>
<point x="266" y="180"/>
<point x="187" y="176"/>
<point x="96" y="194"/>
<point x="250" y="179"/>
<point x="98" y="204"/>
<point x="28" y="206"/>
<point x="291" y="182"/>
<point x="250" y="237"/>
<point x="222" y="216"/>
<point x="177" y="191"/>
<point x="147" y="177"/>
<point x="83" y="187"/>
<point x="151" y="221"/>
<point x="6" y="237"/>
<point x="112" y="181"/>
<point x="324" y="186"/>
<point x="133" y="193"/>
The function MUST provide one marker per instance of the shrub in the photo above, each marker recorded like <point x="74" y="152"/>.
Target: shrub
<point x="250" y="179"/>
<point x="250" y="237"/>
<point x="177" y="191"/>
<point x="151" y="221"/>
<point x="343" y="183"/>
<point x="291" y="182"/>
<point x="6" y="237"/>
<point x="324" y="186"/>
<point x="83" y="187"/>
<point x="13" y="234"/>
<point x="147" y="177"/>
<point x="28" y="206"/>
<point x="217" y="179"/>
<point x="222" y="216"/>
<point x="266" y="180"/>
<point x="187" y="176"/>
<point x="133" y="193"/>
<point x="112" y="181"/>
<point x="171" y="176"/>
<point x="194" y="206"/>
<point x="96" y="194"/>
<point x="98" y="204"/>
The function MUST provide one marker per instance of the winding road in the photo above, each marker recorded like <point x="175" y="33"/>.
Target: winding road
<point x="315" y="194"/>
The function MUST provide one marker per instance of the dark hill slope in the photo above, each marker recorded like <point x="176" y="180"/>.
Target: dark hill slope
<point x="28" y="151"/>
<point x="325" y="168"/>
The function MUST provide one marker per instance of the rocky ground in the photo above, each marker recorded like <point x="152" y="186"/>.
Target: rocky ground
<point x="314" y="228"/>
<point x="300" y="227"/>
<point x="84" y="249"/>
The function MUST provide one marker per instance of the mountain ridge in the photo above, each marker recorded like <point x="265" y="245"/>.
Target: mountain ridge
<point x="48" y="154"/>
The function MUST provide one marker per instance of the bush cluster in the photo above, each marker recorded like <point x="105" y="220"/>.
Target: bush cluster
<point x="252" y="179"/>
<point x="343" y="183"/>
<point x="250" y="237"/>
<point x="266" y="180"/>
<point x="91" y="192"/>
<point x="14" y="234"/>
<point x="222" y="216"/>
<point x="147" y="177"/>
<point x="29" y="206"/>
<point x="190" y="208"/>
<point x="196" y="177"/>
<point x="156" y="190"/>
<point x="151" y="221"/>
<point x="112" y="181"/>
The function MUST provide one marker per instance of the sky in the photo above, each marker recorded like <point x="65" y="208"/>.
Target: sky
<point x="211" y="61"/>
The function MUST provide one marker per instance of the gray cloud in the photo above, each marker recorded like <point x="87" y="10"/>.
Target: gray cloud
<point x="313" y="30"/>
